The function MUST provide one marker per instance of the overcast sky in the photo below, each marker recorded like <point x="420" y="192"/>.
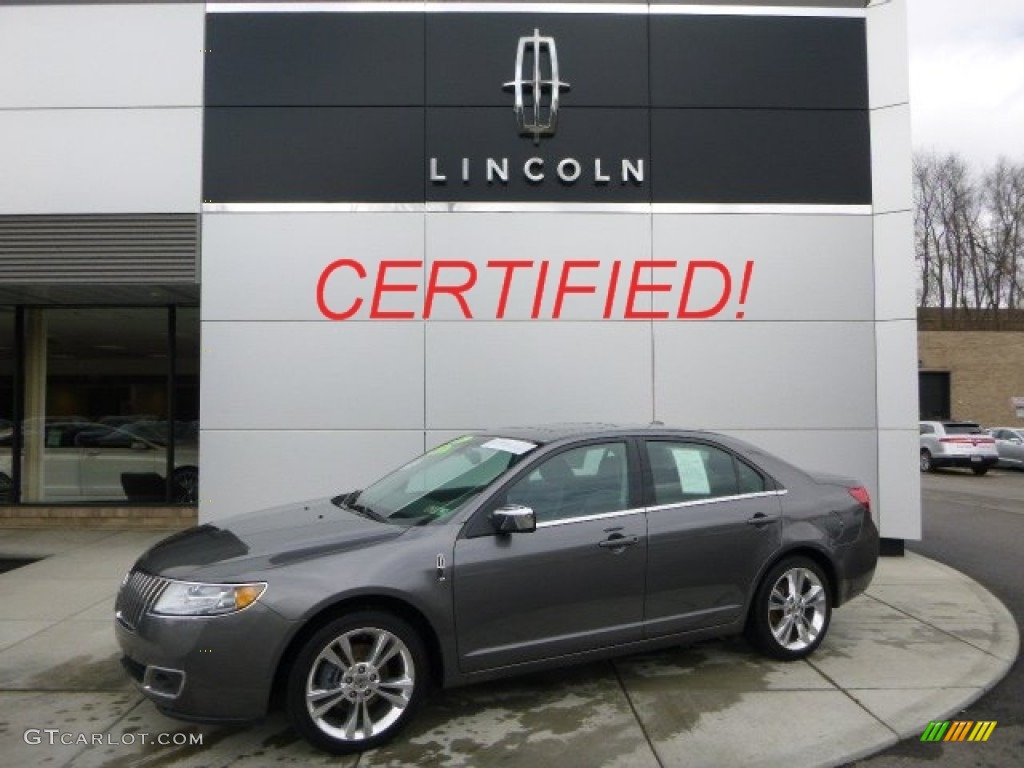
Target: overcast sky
<point x="967" y="77"/>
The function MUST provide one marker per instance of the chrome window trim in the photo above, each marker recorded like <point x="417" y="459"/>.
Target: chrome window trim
<point x="591" y="518"/>
<point x="620" y="9"/>
<point x="718" y="500"/>
<point x="727" y="209"/>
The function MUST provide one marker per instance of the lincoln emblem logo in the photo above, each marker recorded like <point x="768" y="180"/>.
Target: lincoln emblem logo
<point x="536" y="91"/>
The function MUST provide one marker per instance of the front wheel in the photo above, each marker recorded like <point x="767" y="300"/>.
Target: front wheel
<point x="357" y="682"/>
<point x="791" y="611"/>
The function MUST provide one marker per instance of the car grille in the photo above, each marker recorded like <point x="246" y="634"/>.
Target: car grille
<point x="137" y="595"/>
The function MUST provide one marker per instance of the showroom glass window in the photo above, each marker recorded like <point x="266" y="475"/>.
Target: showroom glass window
<point x="108" y="405"/>
<point x="7" y="379"/>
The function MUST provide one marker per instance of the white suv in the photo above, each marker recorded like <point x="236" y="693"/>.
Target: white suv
<point x="956" y="444"/>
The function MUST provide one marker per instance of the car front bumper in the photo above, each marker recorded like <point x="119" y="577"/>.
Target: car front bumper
<point x="210" y="669"/>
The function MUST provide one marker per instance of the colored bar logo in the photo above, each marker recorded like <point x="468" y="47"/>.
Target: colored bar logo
<point x="959" y="730"/>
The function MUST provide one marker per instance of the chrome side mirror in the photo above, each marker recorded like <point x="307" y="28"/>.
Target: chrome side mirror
<point x="514" y="518"/>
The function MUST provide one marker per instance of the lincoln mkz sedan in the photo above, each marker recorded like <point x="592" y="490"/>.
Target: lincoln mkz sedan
<point x="491" y="555"/>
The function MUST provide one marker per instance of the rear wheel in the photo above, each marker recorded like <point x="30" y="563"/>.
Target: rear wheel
<point x="356" y="682"/>
<point x="979" y="470"/>
<point x="791" y="611"/>
<point x="926" y="461"/>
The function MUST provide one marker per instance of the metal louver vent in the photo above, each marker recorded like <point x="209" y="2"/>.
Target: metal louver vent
<point x="129" y="248"/>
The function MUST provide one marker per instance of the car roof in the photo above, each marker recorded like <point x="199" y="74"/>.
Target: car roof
<point x="550" y="433"/>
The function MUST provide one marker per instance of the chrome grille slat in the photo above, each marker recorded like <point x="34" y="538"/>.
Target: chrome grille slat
<point x="138" y="594"/>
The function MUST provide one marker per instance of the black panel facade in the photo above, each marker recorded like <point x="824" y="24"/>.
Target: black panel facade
<point x="470" y="56"/>
<point x="746" y="61"/>
<point x="378" y="107"/>
<point x="314" y="59"/>
<point x="761" y="156"/>
<point x="312" y="154"/>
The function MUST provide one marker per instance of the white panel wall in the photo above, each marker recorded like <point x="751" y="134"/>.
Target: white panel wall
<point x="765" y="376"/>
<point x="101" y="160"/>
<point x="244" y="470"/>
<point x="888" y="70"/>
<point x="506" y="373"/>
<point x="267" y="266"/>
<point x="805" y="267"/>
<point x="552" y="237"/>
<point x="797" y="376"/>
<point x="891" y="171"/>
<point x="101" y="56"/>
<point x="899" y="494"/>
<point x="287" y="375"/>
<point x="100" y="108"/>
<point x="895" y="273"/>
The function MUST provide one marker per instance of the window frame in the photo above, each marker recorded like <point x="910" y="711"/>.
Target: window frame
<point x="771" y="486"/>
<point x="479" y="522"/>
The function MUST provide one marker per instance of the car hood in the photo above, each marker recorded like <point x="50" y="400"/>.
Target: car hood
<point x="265" y="539"/>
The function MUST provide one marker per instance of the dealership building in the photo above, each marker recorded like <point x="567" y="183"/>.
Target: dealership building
<point x="286" y="246"/>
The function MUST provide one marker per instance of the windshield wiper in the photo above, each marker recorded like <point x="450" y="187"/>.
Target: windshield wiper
<point x="349" y="502"/>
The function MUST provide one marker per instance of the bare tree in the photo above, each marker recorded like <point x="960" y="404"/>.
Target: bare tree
<point x="969" y="234"/>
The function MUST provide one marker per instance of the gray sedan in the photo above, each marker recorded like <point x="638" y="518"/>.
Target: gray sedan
<point x="488" y="556"/>
<point x="1010" y="446"/>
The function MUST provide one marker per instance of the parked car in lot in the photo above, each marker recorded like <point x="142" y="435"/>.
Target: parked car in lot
<point x="956" y="444"/>
<point x="88" y="461"/>
<point x="490" y="555"/>
<point x="1009" y="446"/>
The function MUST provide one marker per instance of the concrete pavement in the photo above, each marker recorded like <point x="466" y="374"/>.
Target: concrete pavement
<point x="921" y="644"/>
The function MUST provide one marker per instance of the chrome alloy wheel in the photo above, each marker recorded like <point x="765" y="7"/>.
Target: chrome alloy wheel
<point x="797" y="609"/>
<point x="360" y="684"/>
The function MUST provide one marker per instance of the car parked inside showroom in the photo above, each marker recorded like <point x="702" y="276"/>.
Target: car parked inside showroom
<point x="1009" y="446"/>
<point x="491" y="555"/>
<point x="956" y="444"/>
<point x="95" y="461"/>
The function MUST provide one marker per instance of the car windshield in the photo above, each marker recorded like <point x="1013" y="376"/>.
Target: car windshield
<point x="436" y="484"/>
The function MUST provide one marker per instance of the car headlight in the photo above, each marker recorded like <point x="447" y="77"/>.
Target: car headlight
<point x="183" y="598"/>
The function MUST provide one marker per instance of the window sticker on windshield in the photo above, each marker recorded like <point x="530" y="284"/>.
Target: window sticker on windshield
<point x="693" y="475"/>
<point x="508" y="445"/>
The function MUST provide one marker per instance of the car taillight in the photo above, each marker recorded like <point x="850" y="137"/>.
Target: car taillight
<point x="860" y="493"/>
<point x="979" y="440"/>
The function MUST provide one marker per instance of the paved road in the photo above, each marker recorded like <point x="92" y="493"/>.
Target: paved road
<point x="976" y="525"/>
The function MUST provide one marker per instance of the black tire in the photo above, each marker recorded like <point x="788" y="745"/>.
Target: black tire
<point x="927" y="465"/>
<point x="790" y="626"/>
<point x="376" y="667"/>
<point x="979" y="470"/>
<point x="186" y="485"/>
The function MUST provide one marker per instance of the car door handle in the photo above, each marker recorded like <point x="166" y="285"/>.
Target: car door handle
<point x="618" y="541"/>
<point x="760" y="520"/>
